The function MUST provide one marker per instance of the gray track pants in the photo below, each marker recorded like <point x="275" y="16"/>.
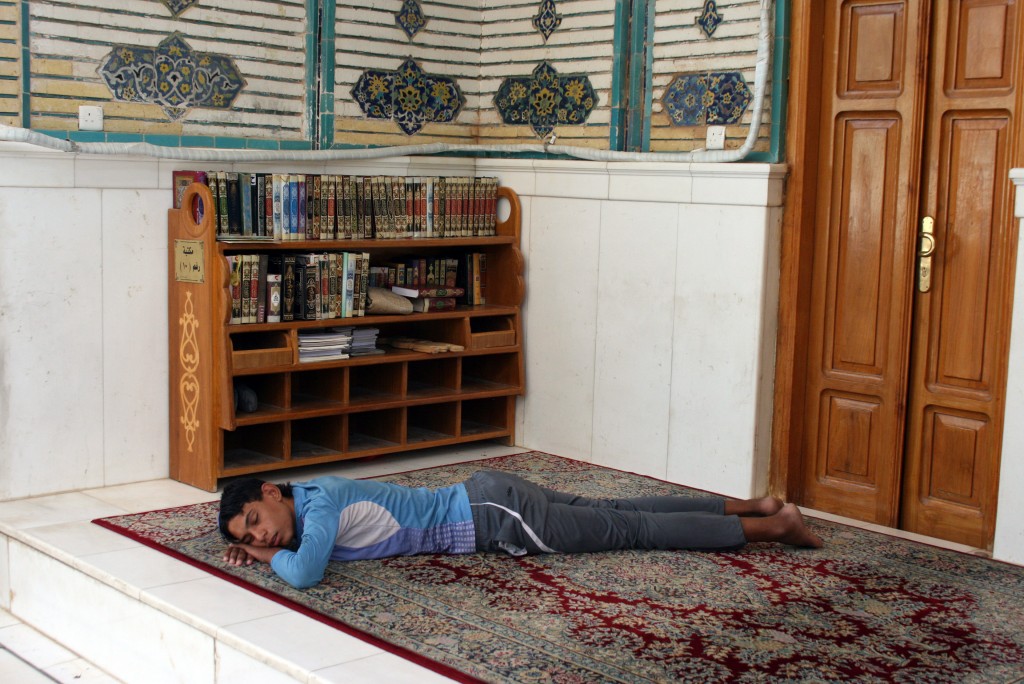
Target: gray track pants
<point x="517" y="516"/>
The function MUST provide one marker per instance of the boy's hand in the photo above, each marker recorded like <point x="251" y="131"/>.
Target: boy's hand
<point x="245" y="554"/>
<point x="237" y="554"/>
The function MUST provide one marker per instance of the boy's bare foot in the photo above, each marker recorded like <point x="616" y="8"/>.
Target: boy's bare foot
<point x="765" y="506"/>
<point x="786" y="526"/>
<point x="796" y="532"/>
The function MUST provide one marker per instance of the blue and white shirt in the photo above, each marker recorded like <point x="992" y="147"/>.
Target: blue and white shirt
<point x="341" y="519"/>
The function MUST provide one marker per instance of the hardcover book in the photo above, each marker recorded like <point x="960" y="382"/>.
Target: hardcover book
<point x="234" y="204"/>
<point x="292" y="208"/>
<point x="288" y="286"/>
<point x="300" y="209"/>
<point x="235" y="283"/>
<point x="246" y="287"/>
<point x="322" y="192"/>
<point x="332" y="286"/>
<point x="220" y="200"/>
<point x="245" y="187"/>
<point x="311" y="288"/>
<point x="324" y="293"/>
<point x="181" y="180"/>
<point x="350" y="284"/>
<point x="364" y="279"/>
<point x="440" y="220"/>
<point x="429" y="291"/>
<point x="260" y="204"/>
<point x="260" y="282"/>
<point x="277" y="184"/>
<point x="312" y="202"/>
<point x="425" y="304"/>
<point x="273" y="298"/>
<point x="332" y="204"/>
<point x="357" y="283"/>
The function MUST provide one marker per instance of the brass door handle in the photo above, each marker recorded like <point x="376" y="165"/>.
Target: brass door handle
<point x="926" y="246"/>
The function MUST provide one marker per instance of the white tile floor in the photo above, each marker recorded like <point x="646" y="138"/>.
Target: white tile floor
<point x="203" y="629"/>
<point x="246" y="636"/>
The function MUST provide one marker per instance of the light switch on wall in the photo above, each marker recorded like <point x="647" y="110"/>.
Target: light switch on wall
<point x="90" y="118"/>
<point x="716" y="138"/>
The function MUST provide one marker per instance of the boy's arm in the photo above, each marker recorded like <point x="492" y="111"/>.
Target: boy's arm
<point x="305" y="567"/>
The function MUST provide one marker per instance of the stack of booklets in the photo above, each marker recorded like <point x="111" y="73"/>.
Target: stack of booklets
<point x="364" y="342"/>
<point x="325" y="345"/>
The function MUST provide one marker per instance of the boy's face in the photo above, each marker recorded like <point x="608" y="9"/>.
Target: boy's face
<point x="269" y="522"/>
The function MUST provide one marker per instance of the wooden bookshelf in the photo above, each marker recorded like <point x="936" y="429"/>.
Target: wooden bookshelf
<point x="321" y="412"/>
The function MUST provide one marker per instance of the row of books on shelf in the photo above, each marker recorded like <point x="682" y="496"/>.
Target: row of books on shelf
<point x="281" y="206"/>
<point x="271" y="288"/>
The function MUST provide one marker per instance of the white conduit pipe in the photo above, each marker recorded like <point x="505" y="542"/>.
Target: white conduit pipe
<point x="13" y="134"/>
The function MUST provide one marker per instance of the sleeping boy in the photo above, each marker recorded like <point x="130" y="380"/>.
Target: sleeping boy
<point x="299" y="528"/>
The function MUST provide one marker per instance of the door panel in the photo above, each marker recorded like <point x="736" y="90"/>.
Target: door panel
<point x="868" y="154"/>
<point x="962" y="341"/>
<point x="863" y="261"/>
<point x="962" y="440"/>
<point x="850" y="454"/>
<point x="871" y="45"/>
<point x="960" y="331"/>
<point x="981" y="38"/>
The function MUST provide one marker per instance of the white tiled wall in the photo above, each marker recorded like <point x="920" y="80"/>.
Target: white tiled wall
<point x="134" y="238"/>
<point x="633" y="356"/>
<point x="560" y="320"/>
<point x="1008" y="544"/>
<point x="718" y="374"/>
<point x="51" y="327"/>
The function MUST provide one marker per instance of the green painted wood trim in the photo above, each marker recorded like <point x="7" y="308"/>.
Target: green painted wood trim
<point x="326" y="41"/>
<point x="620" y="76"/>
<point x="641" y="62"/>
<point x="780" y="81"/>
<point x="312" y="68"/>
<point x="647" y="46"/>
<point x="26" y="68"/>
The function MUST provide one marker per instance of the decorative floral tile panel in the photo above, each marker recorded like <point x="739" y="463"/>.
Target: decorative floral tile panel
<point x="178" y="6"/>
<point x="546" y="99"/>
<point x="709" y="18"/>
<point x="410" y="18"/>
<point x="711" y="98"/>
<point x="408" y="95"/>
<point x="547" y="19"/>
<point x="172" y="76"/>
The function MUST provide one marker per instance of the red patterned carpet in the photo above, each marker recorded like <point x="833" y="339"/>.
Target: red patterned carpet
<point x="866" y="608"/>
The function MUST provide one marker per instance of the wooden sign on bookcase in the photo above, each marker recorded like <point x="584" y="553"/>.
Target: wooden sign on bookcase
<point x="242" y="401"/>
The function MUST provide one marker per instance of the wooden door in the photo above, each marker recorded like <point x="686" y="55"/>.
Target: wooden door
<point x="917" y="119"/>
<point x="961" y="324"/>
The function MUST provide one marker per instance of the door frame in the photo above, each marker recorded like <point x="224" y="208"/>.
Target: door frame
<point x="797" y="248"/>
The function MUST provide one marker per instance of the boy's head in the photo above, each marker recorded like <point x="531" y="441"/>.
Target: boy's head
<point x="258" y="513"/>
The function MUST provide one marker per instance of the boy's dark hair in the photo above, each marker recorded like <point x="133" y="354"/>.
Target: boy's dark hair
<point x="237" y="494"/>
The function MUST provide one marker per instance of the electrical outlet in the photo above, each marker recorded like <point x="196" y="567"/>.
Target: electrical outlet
<point x="90" y="118"/>
<point x="716" y="138"/>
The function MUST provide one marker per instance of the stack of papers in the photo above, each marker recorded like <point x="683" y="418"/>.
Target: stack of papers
<point x="326" y="345"/>
<point x="364" y="342"/>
